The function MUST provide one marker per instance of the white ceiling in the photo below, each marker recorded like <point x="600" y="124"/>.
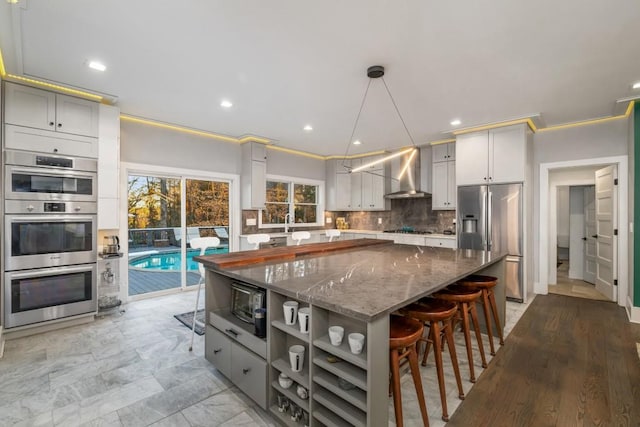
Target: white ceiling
<point x="287" y="63"/>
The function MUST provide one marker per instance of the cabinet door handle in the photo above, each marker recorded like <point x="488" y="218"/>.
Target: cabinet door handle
<point x="55" y="150"/>
<point x="245" y="371"/>
<point x="595" y="236"/>
<point x="232" y="332"/>
<point x="216" y="351"/>
<point x="59" y="125"/>
<point x="51" y="123"/>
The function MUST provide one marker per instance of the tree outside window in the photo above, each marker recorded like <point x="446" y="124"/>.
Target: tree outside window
<point x="303" y="206"/>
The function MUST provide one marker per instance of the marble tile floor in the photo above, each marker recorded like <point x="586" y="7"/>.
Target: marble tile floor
<point x="132" y="369"/>
<point x="135" y="369"/>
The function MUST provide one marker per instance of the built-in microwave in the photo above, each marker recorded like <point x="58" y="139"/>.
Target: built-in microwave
<point x="245" y="299"/>
<point x="34" y="176"/>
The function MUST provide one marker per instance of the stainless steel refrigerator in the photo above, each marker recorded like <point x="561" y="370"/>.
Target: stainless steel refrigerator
<point x="490" y="218"/>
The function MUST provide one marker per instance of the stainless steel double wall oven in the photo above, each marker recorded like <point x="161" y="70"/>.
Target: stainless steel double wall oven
<point x="50" y="226"/>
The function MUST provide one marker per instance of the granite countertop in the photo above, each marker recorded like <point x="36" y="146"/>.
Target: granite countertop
<point x="366" y="283"/>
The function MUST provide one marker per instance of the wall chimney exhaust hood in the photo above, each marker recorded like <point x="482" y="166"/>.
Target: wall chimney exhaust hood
<point x="410" y="179"/>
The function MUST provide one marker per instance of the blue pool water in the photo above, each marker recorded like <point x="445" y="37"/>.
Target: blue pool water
<point x="170" y="261"/>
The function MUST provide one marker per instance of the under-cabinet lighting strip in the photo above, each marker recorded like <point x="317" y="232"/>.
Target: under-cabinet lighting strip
<point x="192" y="131"/>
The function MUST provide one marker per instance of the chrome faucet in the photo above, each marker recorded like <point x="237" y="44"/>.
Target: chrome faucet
<point x="287" y="219"/>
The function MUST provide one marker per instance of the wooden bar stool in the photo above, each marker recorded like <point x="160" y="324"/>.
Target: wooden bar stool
<point x="486" y="285"/>
<point x="466" y="299"/>
<point x="438" y="314"/>
<point x="404" y="334"/>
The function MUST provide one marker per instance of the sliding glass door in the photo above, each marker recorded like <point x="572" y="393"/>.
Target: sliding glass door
<point x="161" y="226"/>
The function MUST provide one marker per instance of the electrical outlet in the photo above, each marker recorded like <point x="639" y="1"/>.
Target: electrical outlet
<point x="380" y="221"/>
<point x="251" y="221"/>
<point x="328" y="220"/>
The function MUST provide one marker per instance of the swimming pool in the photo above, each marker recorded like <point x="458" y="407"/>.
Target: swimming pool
<point x="170" y="261"/>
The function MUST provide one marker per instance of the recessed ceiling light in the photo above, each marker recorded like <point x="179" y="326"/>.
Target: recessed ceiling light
<point x="97" y="65"/>
<point x="308" y="128"/>
<point x="455" y="122"/>
<point x="226" y="104"/>
<point x="357" y="142"/>
<point x="636" y="85"/>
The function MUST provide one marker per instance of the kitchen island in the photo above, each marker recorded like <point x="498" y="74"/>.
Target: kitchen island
<point x="356" y="288"/>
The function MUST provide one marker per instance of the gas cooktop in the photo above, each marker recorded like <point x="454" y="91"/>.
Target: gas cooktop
<point x="408" y="231"/>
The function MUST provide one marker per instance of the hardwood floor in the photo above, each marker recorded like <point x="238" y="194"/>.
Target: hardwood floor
<point x="568" y="362"/>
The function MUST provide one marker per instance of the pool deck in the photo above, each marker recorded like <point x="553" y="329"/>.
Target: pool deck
<point x="144" y="281"/>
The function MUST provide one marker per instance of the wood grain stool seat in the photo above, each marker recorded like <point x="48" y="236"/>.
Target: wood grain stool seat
<point x="466" y="298"/>
<point x="486" y="285"/>
<point x="438" y="315"/>
<point x="404" y="334"/>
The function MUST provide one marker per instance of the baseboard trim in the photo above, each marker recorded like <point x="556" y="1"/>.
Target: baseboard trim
<point x="25" y="331"/>
<point x="632" y="312"/>
<point x="538" y="289"/>
<point x="575" y="274"/>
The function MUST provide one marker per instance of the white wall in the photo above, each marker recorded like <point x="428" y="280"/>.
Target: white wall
<point x="583" y="142"/>
<point x="285" y="164"/>
<point x="576" y="232"/>
<point x="145" y="144"/>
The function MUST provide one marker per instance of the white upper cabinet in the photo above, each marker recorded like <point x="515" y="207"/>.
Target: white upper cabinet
<point x="443" y="152"/>
<point x="109" y="168"/>
<point x="491" y="157"/>
<point x="254" y="175"/>
<point x="507" y="154"/>
<point x="444" y="186"/>
<point x="443" y="176"/>
<point x="359" y="191"/>
<point x="338" y="188"/>
<point x="41" y="109"/>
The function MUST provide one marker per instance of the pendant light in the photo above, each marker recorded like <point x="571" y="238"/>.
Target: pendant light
<point x="377" y="72"/>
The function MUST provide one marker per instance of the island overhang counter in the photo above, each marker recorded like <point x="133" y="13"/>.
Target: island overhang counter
<point x="356" y="286"/>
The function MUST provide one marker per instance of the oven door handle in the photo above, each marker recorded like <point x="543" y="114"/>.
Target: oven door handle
<point x="50" y="271"/>
<point x="50" y="218"/>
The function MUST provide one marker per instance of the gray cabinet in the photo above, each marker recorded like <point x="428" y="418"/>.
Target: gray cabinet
<point x="254" y="175"/>
<point x="492" y="157"/>
<point x="443" y="177"/>
<point x="41" y="109"/>
<point x="245" y="369"/>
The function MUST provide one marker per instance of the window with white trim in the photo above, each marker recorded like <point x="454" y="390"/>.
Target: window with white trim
<point x="299" y="198"/>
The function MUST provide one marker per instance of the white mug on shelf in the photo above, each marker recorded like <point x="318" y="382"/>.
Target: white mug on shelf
<point x="303" y="319"/>
<point x="296" y="357"/>
<point x="290" y="312"/>
<point x="356" y="343"/>
<point x="335" y="335"/>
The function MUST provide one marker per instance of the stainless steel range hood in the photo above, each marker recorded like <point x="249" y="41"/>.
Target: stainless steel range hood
<point x="410" y="180"/>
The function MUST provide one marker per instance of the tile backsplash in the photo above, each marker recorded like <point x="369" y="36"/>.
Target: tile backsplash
<point x="414" y="213"/>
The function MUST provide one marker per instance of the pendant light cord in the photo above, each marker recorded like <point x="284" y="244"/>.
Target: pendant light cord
<point x="355" y="125"/>
<point x="393" y="101"/>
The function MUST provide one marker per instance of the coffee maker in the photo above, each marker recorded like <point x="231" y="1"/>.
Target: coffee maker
<point x="111" y="246"/>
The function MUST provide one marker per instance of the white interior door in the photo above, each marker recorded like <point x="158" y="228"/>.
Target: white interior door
<point x="590" y="234"/>
<point x="606" y="244"/>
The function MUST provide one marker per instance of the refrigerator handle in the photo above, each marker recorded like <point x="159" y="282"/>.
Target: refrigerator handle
<point x="489" y="221"/>
<point x="485" y="241"/>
